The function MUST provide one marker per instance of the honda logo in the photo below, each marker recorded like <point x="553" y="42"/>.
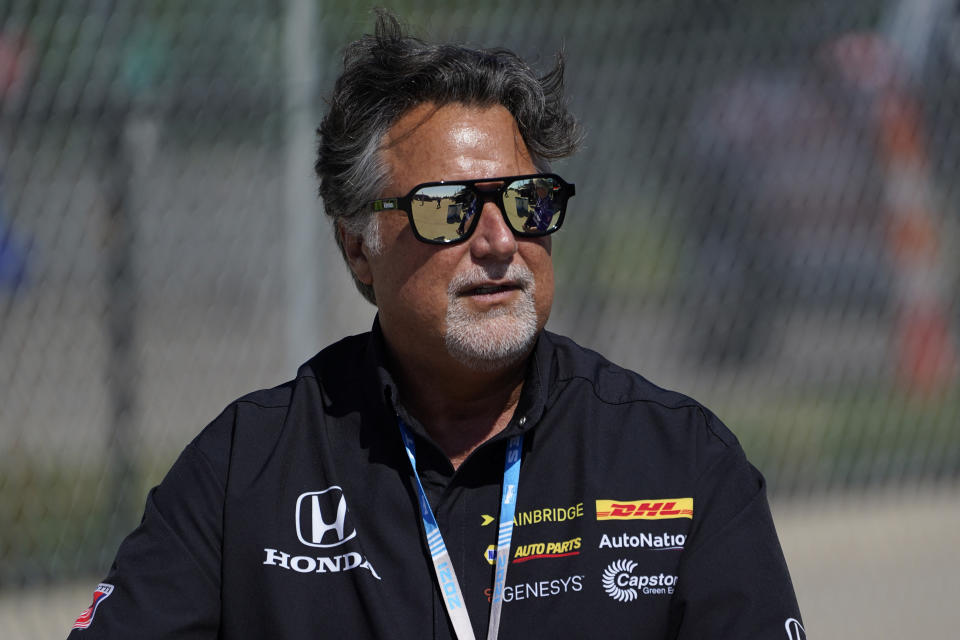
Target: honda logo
<point x="322" y="518"/>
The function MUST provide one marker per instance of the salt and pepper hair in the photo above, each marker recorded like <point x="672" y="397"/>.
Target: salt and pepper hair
<point x="387" y="74"/>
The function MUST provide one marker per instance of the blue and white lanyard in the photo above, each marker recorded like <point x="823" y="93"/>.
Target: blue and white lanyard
<point x="446" y="577"/>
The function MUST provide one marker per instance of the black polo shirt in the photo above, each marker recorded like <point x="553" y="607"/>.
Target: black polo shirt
<point x="295" y="515"/>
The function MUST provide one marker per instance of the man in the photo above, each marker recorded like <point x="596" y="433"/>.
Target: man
<point x="458" y="472"/>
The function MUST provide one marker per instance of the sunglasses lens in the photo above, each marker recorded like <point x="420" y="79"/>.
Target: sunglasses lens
<point x="534" y="205"/>
<point x="443" y="213"/>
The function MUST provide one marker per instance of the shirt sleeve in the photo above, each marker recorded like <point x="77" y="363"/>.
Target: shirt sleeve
<point x="165" y="580"/>
<point x="733" y="580"/>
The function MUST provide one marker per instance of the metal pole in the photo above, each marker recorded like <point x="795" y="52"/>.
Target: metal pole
<point x="301" y="206"/>
<point x="121" y="316"/>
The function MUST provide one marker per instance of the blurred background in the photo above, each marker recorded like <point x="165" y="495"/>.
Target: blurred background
<point x="767" y="218"/>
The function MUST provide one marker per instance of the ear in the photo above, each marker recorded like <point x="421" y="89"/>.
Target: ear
<point x="356" y="254"/>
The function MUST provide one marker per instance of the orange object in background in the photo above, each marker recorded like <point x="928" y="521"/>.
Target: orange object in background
<point x="925" y="349"/>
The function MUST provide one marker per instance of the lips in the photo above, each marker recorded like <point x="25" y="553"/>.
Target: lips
<point x="492" y="284"/>
<point x="489" y="289"/>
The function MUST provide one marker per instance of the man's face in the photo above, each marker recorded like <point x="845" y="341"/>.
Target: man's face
<point x="481" y="301"/>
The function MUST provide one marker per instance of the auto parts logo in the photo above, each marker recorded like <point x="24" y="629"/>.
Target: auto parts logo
<point x="556" y="549"/>
<point x="322" y="518"/>
<point x="621" y="585"/>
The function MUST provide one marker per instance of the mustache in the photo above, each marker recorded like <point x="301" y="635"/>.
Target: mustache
<point x="479" y="274"/>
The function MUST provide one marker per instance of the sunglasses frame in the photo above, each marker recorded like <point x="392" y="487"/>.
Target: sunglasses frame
<point x="495" y="194"/>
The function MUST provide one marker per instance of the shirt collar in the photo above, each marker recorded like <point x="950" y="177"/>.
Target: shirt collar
<point x="383" y="393"/>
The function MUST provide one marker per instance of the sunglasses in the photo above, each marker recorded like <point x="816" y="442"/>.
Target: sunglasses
<point x="447" y="212"/>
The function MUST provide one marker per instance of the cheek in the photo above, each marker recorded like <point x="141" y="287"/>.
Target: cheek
<point x="539" y="260"/>
<point x="390" y="228"/>
<point x="422" y="290"/>
<point x="415" y="278"/>
<point x="544" y="299"/>
<point x="392" y="265"/>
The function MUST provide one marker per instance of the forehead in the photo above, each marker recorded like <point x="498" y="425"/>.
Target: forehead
<point x="453" y="142"/>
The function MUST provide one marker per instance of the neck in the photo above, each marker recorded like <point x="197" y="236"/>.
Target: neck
<point x="459" y="407"/>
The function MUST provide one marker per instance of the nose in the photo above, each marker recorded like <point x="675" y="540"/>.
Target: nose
<point x="492" y="238"/>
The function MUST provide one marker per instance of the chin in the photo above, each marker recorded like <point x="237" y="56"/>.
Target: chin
<point x="494" y="339"/>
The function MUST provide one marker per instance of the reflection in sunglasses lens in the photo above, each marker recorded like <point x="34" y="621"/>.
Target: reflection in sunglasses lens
<point x="533" y="204"/>
<point x="443" y="212"/>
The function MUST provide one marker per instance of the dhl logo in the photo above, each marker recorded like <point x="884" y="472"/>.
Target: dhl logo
<point x="658" y="509"/>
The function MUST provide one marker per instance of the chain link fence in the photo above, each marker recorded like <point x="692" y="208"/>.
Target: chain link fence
<point x="766" y="218"/>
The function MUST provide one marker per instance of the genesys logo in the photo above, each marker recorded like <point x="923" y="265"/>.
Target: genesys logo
<point x="658" y="542"/>
<point x="323" y="521"/>
<point x="540" y="515"/>
<point x="539" y="589"/>
<point x="621" y="585"/>
<point x="538" y="550"/>
<point x="654" y="509"/>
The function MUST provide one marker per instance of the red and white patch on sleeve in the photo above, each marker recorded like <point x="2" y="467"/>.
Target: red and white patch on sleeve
<point x="102" y="593"/>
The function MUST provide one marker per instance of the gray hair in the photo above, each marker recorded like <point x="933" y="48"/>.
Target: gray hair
<point x="387" y="74"/>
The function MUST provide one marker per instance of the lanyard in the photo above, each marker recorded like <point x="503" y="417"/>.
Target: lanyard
<point x="446" y="578"/>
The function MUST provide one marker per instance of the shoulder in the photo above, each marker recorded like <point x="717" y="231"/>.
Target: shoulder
<point x="611" y="382"/>
<point x="253" y="423"/>
<point x="592" y="378"/>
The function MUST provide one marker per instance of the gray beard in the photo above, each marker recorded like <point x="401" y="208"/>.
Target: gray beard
<point x="491" y="340"/>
